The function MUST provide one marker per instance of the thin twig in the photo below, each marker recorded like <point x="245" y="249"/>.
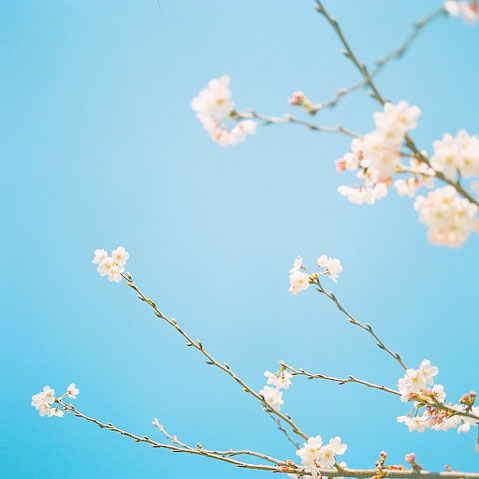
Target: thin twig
<point x="287" y="118"/>
<point x="228" y="453"/>
<point x="340" y="381"/>
<point x="366" y="327"/>
<point x="397" y="53"/>
<point x="351" y="379"/>
<point x="283" y="430"/>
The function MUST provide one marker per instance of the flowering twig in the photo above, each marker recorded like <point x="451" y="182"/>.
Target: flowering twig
<point x="377" y="95"/>
<point x="287" y="118"/>
<point x="221" y="456"/>
<point x="366" y="327"/>
<point x="281" y="466"/>
<point x="340" y="381"/>
<point x="430" y="401"/>
<point x="210" y="360"/>
<point x="228" y="453"/>
<point x="397" y="53"/>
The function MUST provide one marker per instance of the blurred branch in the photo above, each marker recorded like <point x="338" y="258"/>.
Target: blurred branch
<point x="287" y="118"/>
<point x="397" y="54"/>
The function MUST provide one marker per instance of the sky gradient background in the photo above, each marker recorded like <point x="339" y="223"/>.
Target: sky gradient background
<point x="101" y="148"/>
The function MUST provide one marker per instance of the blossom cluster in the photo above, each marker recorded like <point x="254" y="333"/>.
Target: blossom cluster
<point x="273" y="394"/>
<point x="112" y="266"/>
<point x="44" y="401"/>
<point x="213" y="106"/>
<point x="448" y="217"/>
<point x="314" y="455"/>
<point x="416" y="386"/>
<point x="469" y="11"/>
<point x="300" y="280"/>
<point x="377" y="155"/>
<point x="377" y="158"/>
<point x="459" y="154"/>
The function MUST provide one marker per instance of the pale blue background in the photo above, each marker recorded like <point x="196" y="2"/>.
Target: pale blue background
<point x="100" y="148"/>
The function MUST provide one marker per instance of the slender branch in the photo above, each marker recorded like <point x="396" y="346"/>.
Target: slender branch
<point x="178" y="448"/>
<point x="366" y="327"/>
<point x="198" y="345"/>
<point x="228" y="453"/>
<point x="352" y="379"/>
<point x="287" y="118"/>
<point x="397" y="53"/>
<point x="288" y="467"/>
<point x="340" y="381"/>
<point x="283" y="430"/>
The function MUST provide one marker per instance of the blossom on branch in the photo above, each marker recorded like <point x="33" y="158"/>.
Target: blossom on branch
<point x="457" y="155"/>
<point x="377" y="154"/>
<point x="314" y="455"/>
<point x="112" y="266"/>
<point x="469" y="11"/>
<point x="273" y="396"/>
<point x="281" y="380"/>
<point x="300" y="279"/>
<point x="449" y="217"/>
<point x="44" y="400"/>
<point x="213" y="106"/>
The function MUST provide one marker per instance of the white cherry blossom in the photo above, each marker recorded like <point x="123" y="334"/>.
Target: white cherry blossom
<point x="281" y="380"/>
<point x="299" y="281"/>
<point x="273" y="396"/>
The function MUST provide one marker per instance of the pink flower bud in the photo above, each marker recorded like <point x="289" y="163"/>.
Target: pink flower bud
<point x="340" y="165"/>
<point x="298" y="95"/>
<point x="410" y="458"/>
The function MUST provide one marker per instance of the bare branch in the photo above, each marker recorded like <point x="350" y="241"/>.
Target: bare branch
<point x="287" y="118"/>
<point x="366" y="327"/>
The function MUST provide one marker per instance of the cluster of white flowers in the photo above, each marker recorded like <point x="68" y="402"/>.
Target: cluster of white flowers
<point x="300" y="280"/>
<point x="415" y="386"/>
<point x="44" y="400"/>
<point x="448" y="217"/>
<point x="459" y="154"/>
<point x="113" y="265"/>
<point x="421" y="175"/>
<point x="377" y="154"/>
<point x="469" y="11"/>
<point x="314" y="455"/>
<point x="213" y="106"/>
<point x="273" y="395"/>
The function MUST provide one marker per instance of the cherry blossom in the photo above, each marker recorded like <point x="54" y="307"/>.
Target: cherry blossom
<point x="457" y="154"/>
<point x="298" y="282"/>
<point x="281" y="380"/>
<point x="332" y="265"/>
<point x="111" y="266"/>
<point x="213" y="106"/>
<point x="273" y="396"/>
<point x="449" y="217"/>
<point x="72" y="391"/>
<point x="469" y="11"/>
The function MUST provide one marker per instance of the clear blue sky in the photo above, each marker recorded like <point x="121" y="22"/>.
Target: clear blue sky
<point x="100" y="148"/>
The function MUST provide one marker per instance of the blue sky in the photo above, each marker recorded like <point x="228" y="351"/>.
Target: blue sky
<point x="101" y="148"/>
